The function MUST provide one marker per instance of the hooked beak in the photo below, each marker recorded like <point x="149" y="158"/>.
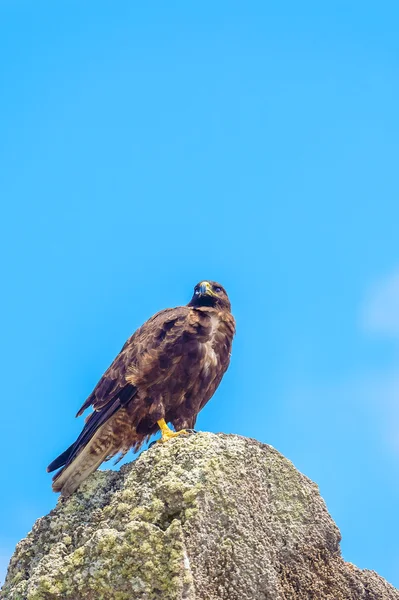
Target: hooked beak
<point x="205" y="289"/>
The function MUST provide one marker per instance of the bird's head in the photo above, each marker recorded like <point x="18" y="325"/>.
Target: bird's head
<point x="210" y="293"/>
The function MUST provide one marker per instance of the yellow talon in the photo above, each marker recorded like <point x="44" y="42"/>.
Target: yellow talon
<point x="166" y="432"/>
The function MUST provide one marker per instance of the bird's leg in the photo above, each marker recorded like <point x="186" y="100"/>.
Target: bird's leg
<point x="166" y="432"/>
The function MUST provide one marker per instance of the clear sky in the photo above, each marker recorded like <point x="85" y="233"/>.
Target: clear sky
<point x="146" y="146"/>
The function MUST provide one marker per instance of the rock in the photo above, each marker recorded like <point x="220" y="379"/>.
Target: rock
<point x="204" y="517"/>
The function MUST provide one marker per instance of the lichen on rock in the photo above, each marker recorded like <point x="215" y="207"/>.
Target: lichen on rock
<point x="205" y="517"/>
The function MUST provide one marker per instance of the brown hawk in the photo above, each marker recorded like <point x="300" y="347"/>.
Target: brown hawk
<point x="165" y="373"/>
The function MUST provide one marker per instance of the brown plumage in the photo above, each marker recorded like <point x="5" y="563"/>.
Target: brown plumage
<point x="165" y="373"/>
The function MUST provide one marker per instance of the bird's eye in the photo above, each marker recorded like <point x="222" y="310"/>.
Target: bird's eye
<point x="196" y="291"/>
<point x="217" y="289"/>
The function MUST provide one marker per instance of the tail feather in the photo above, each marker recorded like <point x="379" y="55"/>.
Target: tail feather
<point x="88" y="460"/>
<point x="92" y="447"/>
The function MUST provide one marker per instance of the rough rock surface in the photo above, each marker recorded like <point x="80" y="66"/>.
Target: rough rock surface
<point x="203" y="517"/>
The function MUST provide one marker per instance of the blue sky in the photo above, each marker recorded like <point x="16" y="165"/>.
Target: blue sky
<point x="144" y="148"/>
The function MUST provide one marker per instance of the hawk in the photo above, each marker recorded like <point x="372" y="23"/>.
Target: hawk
<point x="165" y="373"/>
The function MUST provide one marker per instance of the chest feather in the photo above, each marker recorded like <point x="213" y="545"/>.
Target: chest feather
<point x="211" y="357"/>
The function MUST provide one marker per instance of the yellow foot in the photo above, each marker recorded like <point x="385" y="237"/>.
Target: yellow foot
<point x="167" y="433"/>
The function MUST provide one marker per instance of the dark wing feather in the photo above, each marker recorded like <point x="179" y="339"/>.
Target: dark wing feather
<point x="155" y="336"/>
<point x="61" y="459"/>
<point x="147" y="354"/>
<point x="94" y="422"/>
<point x="112" y="382"/>
<point x="163" y="341"/>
